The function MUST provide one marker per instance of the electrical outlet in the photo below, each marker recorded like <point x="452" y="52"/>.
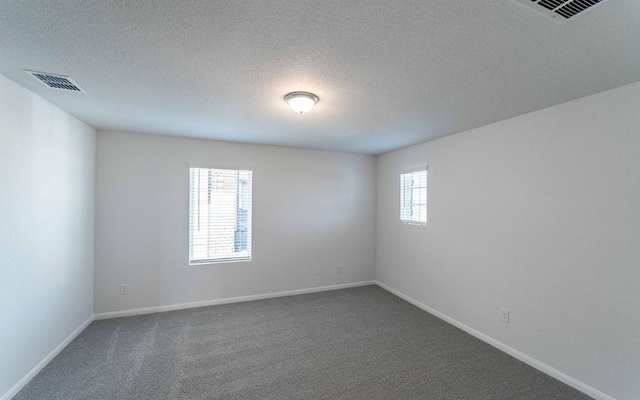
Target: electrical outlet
<point x="124" y="288"/>
<point x="339" y="269"/>
<point x="317" y="270"/>
<point x="504" y="315"/>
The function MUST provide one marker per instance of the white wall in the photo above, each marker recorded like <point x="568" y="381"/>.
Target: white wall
<point x="310" y="208"/>
<point x="539" y="214"/>
<point x="47" y="188"/>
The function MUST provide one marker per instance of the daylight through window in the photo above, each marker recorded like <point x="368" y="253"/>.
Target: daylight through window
<point x="413" y="196"/>
<point x="219" y="215"/>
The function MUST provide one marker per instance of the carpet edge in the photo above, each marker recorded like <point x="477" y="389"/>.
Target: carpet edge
<point x="46" y="360"/>
<point x="540" y="366"/>
<point x="228" y="300"/>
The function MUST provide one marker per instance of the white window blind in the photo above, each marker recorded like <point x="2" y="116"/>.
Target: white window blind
<point x="219" y="215"/>
<point x="413" y="196"/>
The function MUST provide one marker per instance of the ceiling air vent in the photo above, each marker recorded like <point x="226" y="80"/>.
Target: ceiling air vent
<point x="561" y="10"/>
<point x="54" y="81"/>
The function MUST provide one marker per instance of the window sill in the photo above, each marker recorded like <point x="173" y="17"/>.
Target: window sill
<point x="414" y="223"/>
<point x="219" y="261"/>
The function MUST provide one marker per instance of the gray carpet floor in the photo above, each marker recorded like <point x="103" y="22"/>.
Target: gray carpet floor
<point x="360" y="343"/>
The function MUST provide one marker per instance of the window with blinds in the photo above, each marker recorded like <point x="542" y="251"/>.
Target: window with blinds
<point x="413" y="196"/>
<point x="219" y="215"/>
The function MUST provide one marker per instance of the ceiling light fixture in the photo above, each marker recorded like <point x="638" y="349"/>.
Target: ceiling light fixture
<point x="301" y="102"/>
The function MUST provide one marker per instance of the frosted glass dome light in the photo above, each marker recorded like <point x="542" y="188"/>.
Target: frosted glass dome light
<point x="301" y="102"/>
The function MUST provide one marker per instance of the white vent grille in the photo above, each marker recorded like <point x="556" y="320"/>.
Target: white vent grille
<point x="54" y="81"/>
<point x="561" y="10"/>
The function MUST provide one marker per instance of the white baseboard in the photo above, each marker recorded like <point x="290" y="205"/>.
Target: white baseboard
<point x="583" y="387"/>
<point x="576" y="384"/>
<point x="205" y="303"/>
<point x="34" y="371"/>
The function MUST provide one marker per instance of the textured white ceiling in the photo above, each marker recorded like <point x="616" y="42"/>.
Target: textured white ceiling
<point x="388" y="73"/>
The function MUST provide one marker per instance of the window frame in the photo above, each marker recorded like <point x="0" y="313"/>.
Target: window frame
<point x="403" y="205"/>
<point x="220" y="260"/>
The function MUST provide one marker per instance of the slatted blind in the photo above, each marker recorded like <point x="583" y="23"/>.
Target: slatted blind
<point x="413" y="196"/>
<point x="219" y="215"/>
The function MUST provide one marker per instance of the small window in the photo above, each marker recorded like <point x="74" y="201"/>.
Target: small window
<point x="219" y="215"/>
<point x="413" y="196"/>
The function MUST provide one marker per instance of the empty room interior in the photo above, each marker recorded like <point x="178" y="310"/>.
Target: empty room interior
<point x="295" y="199"/>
